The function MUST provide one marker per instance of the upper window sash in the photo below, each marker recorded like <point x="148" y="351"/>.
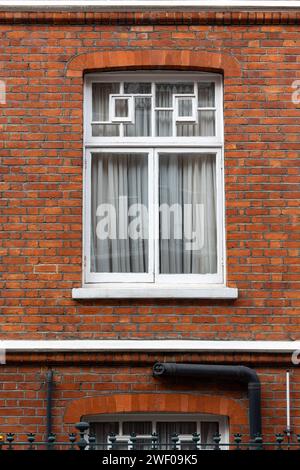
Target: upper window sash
<point x="186" y="108"/>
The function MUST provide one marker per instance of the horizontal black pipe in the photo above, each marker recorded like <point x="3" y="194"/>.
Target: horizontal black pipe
<point x="236" y="373"/>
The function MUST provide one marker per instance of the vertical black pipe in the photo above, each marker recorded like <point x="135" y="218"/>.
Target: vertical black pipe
<point x="49" y="381"/>
<point x="254" y="408"/>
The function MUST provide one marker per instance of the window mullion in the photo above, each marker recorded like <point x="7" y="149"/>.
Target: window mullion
<point x="121" y="123"/>
<point x="151" y="213"/>
<point x="153" y="117"/>
<point x="156" y="212"/>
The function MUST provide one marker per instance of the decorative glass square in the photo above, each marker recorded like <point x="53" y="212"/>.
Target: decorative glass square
<point x="121" y="108"/>
<point x="185" y="108"/>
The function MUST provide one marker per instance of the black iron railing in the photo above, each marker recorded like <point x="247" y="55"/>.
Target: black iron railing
<point x="82" y="440"/>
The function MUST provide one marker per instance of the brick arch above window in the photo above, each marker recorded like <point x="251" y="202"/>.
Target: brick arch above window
<point x="159" y="403"/>
<point x="151" y="59"/>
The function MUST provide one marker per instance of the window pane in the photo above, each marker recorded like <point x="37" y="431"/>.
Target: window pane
<point x="100" y="109"/>
<point x="139" y="427"/>
<point x="121" y="107"/>
<point x="205" y="126"/>
<point x="137" y="88"/>
<point x="208" y="430"/>
<point x="119" y="221"/>
<point x="188" y="221"/>
<point x="166" y="429"/>
<point x="206" y="123"/>
<point x="164" y="123"/>
<point x="186" y="129"/>
<point x="105" y="130"/>
<point x="142" y="121"/>
<point x="206" y="94"/>
<point x="169" y="428"/>
<point x="165" y="91"/>
<point x="185" y="107"/>
<point x="102" y="431"/>
<point x="100" y="97"/>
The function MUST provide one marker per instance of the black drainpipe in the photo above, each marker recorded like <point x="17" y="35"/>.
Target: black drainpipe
<point x="49" y="404"/>
<point x="237" y="373"/>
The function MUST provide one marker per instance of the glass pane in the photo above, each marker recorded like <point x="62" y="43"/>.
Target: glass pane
<point x="206" y="123"/>
<point x="164" y="123"/>
<point x="206" y="94"/>
<point x="205" y="126"/>
<point x="165" y="430"/>
<point x="186" y="129"/>
<point x="119" y="213"/>
<point x="141" y="428"/>
<point x="137" y="88"/>
<point x="185" y="107"/>
<point x="121" y="107"/>
<point x="165" y="91"/>
<point x="102" y="431"/>
<point x="105" y="130"/>
<point x="188" y="213"/>
<point x="208" y="430"/>
<point x="142" y="121"/>
<point x="169" y="428"/>
<point x="100" y="99"/>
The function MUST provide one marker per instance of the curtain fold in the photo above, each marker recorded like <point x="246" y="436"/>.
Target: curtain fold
<point x="208" y="430"/>
<point x="119" y="194"/>
<point x="187" y="198"/>
<point x="100" y="107"/>
<point x="166" y="429"/>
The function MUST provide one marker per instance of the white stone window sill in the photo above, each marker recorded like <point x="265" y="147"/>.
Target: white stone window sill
<point x="156" y="292"/>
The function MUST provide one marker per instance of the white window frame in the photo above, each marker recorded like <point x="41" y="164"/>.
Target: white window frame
<point x="112" y="109"/>
<point x="152" y="141"/>
<point x="165" y="417"/>
<point x="92" y="277"/>
<point x="177" y="116"/>
<point x="153" y="146"/>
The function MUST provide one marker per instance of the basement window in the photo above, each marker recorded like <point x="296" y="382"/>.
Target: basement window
<point x="185" y="426"/>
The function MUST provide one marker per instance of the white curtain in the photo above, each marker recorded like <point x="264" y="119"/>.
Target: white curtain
<point x="188" y="234"/>
<point x="119" y="189"/>
<point x="208" y="430"/>
<point x="102" y="431"/>
<point x="165" y="430"/>
<point x="164" y="99"/>
<point x="205" y="125"/>
<point x="187" y="181"/>
<point x="100" y="106"/>
<point x="142" y="122"/>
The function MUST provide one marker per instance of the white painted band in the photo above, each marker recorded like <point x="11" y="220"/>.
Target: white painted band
<point x="148" y="346"/>
<point x="104" y="5"/>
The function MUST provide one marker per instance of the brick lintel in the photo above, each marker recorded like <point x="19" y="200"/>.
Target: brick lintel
<point x="153" y="17"/>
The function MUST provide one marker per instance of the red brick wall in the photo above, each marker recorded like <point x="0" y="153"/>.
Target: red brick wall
<point x="23" y="395"/>
<point x="41" y="150"/>
<point x="41" y="206"/>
